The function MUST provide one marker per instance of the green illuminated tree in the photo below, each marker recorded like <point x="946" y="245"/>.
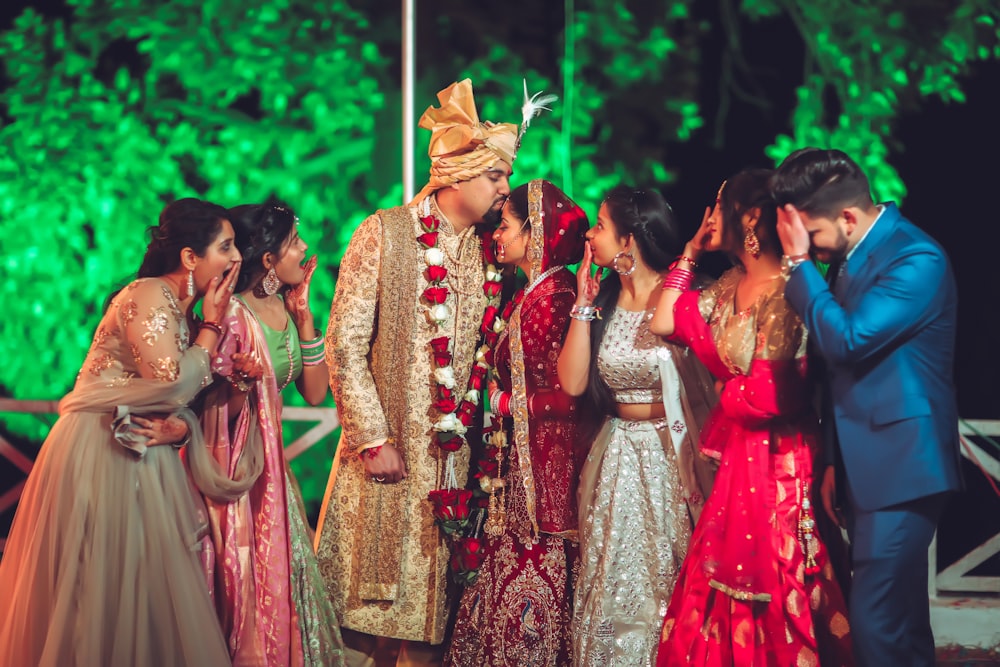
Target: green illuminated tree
<point x="877" y="59"/>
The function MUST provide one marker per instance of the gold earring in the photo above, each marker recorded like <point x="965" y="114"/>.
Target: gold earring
<point x="751" y="243"/>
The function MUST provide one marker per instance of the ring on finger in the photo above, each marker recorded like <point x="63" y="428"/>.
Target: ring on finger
<point x="378" y="478"/>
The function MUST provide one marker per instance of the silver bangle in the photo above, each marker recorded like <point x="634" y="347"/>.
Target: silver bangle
<point x="584" y="313"/>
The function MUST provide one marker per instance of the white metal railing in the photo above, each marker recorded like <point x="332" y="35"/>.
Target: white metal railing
<point x="956" y="578"/>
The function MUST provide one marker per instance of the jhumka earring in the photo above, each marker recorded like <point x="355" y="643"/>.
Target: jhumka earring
<point x="269" y="284"/>
<point x="190" y="284"/>
<point x="751" y="243"/>
<point x="623" y="255"/>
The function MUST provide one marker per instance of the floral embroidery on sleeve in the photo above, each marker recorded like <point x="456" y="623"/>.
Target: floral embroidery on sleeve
<point x="166" y="369"/>
<point x="155" y="324"/>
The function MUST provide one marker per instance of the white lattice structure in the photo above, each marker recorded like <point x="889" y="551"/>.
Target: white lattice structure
<point x="965" y="608"/>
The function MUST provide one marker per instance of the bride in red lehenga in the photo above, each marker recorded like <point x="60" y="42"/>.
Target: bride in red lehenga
<point x="757" y="587"/>
<point x="518" y="609"/>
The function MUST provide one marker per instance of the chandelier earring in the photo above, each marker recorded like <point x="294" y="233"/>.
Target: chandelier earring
<point x="189" y="285"/>
<point x="617" y="261"/>
<point x="268" y="285"/>
<point x="751" y="243"/>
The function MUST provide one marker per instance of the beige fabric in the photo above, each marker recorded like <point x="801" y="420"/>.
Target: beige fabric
<point x="461" y="147"/>
<point x="101" y="565"/>
<point x="382" y="556"/>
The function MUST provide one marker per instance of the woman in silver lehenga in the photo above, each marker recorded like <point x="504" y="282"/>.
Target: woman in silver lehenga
<point x="642" y="484"/>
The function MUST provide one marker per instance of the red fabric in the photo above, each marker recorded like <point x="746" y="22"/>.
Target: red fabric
<point x="518" y="610"/>
<point x="747" y="541"/>
<point x="565" y="228"/>
<point x="544" y="322"/>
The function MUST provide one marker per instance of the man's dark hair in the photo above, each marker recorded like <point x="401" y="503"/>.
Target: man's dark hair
<point x="820" y="182"/>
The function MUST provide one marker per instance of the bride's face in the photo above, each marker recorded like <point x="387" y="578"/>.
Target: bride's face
<point x="511" y="237"/>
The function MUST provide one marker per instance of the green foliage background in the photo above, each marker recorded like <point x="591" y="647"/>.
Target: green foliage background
<point x="123" y="105"/>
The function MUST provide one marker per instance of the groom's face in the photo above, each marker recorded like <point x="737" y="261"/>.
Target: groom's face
<point x="827" y="237"/>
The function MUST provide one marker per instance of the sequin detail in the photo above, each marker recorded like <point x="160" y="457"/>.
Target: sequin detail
<point x="155" y="324"/>
<point x="166" y="369"/>
<point x="627" y="359"/>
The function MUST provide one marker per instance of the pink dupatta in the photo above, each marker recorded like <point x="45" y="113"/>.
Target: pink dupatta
<point x="250" y="535"/>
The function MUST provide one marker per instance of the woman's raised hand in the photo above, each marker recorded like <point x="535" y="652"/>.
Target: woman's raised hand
<point x="587" y="285"/>
<point x="701" y="238"/>
<point x="297" y="297"/>
<point x="217" y="295"/>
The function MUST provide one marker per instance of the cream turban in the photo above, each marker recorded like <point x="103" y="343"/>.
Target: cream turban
<point x="461" y="147"/>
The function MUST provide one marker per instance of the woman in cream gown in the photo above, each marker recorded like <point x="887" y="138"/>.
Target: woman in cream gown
<point x="101" y="565"/>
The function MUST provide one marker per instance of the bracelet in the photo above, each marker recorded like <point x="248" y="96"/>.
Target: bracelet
<point x="495" y="399"/>
<point x="679" y="279"/>
<point x="313" y="351"/>
<point x="789" y="262"/>
<point x="505" y="405"/>
<point x="500" y="403"/>
<point x="585" y="313"/>
<point x="212" y="326"/>
<point x="183" y="443"/>
<point x="240" y="382"/>
<point x="687" y="259"/>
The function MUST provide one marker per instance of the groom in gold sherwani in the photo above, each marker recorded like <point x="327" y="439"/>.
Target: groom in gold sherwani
<point x="384" y="559"/>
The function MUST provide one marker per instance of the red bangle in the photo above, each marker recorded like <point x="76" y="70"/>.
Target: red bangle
<point x="212" y="326"/>
<point x="505" y="405"/>
<point x="679" y="279"/>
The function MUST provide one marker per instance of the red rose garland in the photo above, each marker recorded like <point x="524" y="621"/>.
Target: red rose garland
<point x="451" y="505"/>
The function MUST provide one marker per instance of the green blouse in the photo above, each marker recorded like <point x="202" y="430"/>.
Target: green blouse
<point x="283" y="346"/>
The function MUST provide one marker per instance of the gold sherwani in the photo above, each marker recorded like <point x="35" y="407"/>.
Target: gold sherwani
<point x="383" y="558"/>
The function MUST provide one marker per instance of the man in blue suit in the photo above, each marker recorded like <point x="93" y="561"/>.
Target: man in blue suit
<point x="885" y="327"/>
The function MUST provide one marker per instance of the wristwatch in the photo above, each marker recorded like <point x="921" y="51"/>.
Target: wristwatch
<point x="789" y="262"/>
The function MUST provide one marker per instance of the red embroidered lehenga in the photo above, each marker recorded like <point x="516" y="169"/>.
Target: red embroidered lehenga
<point x="518" y="610"/>
<point x="757" y="587"/>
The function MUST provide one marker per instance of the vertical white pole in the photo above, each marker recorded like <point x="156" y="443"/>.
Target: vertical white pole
<point x="409" y="55"/>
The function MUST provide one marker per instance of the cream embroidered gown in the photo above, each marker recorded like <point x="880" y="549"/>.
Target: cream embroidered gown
<point x="101" y="566"/>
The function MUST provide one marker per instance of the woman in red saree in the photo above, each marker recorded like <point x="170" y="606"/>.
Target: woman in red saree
<point x="518" y="609"/>
<point x="757" y="587"/>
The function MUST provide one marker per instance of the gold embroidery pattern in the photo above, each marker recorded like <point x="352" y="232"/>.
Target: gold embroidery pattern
<point x="101" y="363"/>
<point x="101" y="336"/>
<point x="123" y="380"/>
<point x="165" y="369"/>
<point x="130" y="309"/>
<point x="156" y="324"/>
<point x="517" y="612"/>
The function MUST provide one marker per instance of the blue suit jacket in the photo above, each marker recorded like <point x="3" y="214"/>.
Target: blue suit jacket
<point x="888" y="341"/>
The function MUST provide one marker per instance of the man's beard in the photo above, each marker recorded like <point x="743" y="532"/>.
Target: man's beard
<point x="492" y="216"/>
